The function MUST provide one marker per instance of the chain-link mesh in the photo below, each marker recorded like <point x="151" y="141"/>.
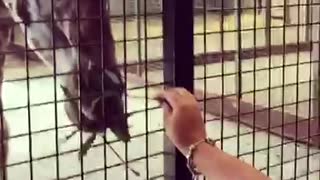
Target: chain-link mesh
<point x="253" y="66"/>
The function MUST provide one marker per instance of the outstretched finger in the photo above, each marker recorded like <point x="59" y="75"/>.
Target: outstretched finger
<point x="171" y="97"/>
<point x="186" y="94"/>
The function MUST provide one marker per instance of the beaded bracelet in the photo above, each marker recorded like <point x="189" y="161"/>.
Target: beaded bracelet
<point x="190" y="163"/>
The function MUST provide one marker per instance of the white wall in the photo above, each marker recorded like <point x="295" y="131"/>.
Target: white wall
<point x="116" y="6"/>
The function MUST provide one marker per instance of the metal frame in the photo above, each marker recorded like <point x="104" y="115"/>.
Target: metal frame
<point x="315" y="56"/>
<point x="178" y="63"/>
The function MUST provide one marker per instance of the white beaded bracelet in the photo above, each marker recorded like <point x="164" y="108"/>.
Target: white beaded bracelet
<point x="190" y="163"/>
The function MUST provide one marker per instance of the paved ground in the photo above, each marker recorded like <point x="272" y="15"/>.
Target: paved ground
<point x="43" y="144"/>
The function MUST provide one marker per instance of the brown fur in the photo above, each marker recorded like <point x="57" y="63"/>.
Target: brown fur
<point x="108" y="111"/>
<point x="4" y="133"/>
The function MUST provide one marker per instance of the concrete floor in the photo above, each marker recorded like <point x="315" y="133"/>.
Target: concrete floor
<point x="230" y="129"/>
<point x="43" y="143"/>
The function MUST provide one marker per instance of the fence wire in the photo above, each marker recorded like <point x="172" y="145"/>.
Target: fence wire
<point x="253" y="66"/>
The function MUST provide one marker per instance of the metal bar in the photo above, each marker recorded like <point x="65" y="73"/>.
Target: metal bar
<point x="283" y="89"/>
<point x="125" y="56"/>
<point x="103" y="5"/>
<point x="308" y="33"/>
<point x="239" y="71"/>
<point x="28" y="103"/>
<point x="316" y="69"/>
<point x="307" y="21"/>
<point x="254" y="82"/>
<point x="139" y="68"/>
<point x="178" y="65"/>
<point x="268" y="20"/>
<point x="222" y="72"/>
<point x="80" y="89"/>
<point x="146" y="93"/>
<point x="287" y="13"/>
<point x="297" y="95"/>
<point x="55" y="89"/>
<point x="315" y="56"/>
<point x="205" y="52"/>
<point x="269" y="42"/>
<point x="205" y="64"/>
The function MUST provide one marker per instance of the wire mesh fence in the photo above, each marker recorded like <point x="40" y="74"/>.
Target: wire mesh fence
<point x="268" y="84"/>
<point x="253" y="66"/>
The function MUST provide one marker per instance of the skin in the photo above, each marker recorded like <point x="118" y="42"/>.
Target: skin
<point x="182" y="114"/>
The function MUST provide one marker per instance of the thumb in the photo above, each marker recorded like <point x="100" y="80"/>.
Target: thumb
<point x="167" y="113"/>
<point x="166" y="108"/>
<point x="164" y="104"/>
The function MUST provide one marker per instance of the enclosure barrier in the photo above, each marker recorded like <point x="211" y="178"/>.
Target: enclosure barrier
<point x="252" y="65"/>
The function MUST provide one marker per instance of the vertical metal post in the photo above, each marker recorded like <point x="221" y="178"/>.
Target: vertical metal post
<point x="287" y="19"/>
<point x="178" y="67"/>
<point x="239" y="71"/>
<point x="307" y="21"/>
<point x="315" y="57"/>
<point x="238" y="67"/>
<point x="268" y="21"/>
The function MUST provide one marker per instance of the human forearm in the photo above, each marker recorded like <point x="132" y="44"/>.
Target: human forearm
<point x="185" y="128"/>
<point x="215" y="164"/>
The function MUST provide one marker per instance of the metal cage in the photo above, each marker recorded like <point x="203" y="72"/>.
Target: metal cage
<point x="252" y="65"/>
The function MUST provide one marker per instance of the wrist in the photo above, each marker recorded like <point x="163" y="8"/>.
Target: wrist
<point x="195" y="151"/>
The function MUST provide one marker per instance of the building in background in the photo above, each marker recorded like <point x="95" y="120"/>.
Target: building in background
<point x="116" y="7"/>
<point x="155" y="6"/>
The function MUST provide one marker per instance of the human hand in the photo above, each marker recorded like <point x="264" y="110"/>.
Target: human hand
<point x="183" y="121"/>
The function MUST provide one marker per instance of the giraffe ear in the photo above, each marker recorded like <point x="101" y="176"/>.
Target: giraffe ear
<point x="113" y="77"/>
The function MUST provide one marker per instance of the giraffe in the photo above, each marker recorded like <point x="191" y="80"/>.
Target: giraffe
<point x="4" y="130"/>
<point x="80" y="33"/>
